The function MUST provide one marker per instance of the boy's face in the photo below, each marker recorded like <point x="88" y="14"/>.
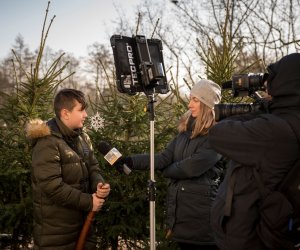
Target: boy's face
<point x="75" y="118"/>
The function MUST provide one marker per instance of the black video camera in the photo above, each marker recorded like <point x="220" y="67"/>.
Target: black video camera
<point x="246" y="84"/>
<point x="243" y="85"/>
<point x="139" y="65"/>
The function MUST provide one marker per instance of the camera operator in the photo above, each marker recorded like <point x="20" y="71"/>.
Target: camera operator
<point x="265" y="142"/>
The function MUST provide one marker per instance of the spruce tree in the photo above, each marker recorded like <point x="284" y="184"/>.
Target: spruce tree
<point x="31" y="98"/>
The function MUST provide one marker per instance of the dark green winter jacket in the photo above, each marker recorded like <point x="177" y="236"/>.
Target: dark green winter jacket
<point x="64" y="174"/>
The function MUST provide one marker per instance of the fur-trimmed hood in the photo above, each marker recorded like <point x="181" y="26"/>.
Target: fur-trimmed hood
<point x="37" y="128"/>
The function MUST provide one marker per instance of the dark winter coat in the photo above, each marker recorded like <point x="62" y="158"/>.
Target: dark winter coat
<point x="64" y="173"/>
<point x="189" y="166"/>
<point x="266" y="142"/>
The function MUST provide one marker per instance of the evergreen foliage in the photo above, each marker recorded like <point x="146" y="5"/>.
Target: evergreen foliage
<point x="31" y="98"/>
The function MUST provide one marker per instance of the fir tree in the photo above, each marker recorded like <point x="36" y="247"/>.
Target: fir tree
<point x="31" y="98"/>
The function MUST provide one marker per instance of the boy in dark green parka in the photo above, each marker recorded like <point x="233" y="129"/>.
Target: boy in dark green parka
<point x="66" y="180"/>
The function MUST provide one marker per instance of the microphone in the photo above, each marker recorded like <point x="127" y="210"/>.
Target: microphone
<point x="227" y="85"/>
<point x="112" y="155"/>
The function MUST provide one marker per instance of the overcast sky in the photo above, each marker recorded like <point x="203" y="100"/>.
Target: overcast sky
<point x="78" y="23"/>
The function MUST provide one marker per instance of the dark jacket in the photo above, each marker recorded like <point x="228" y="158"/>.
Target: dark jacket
<point x="266" y="142"/>
<point x="189" y="166"/>
<point x="64" y="173"/>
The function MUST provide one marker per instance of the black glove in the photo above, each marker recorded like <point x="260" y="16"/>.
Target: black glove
<point x="119" y="165"/>
<point x="128" y="161"/>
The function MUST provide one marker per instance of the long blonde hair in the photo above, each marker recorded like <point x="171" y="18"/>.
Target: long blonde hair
<point x="203" y="122"/>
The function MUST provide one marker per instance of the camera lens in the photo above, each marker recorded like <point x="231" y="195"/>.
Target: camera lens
<point x="228" y="109"/>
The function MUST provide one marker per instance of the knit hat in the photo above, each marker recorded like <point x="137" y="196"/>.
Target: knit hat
<point x="207" y="92"/>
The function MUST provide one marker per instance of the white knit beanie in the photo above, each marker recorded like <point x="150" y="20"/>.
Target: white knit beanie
<point x="207" y="92"/>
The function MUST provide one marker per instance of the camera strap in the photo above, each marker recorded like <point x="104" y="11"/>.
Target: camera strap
<point x="230" y="190"/>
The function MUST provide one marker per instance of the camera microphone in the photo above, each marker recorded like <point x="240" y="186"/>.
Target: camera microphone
<point x="112" y="155"/>
<point x="227" y="85"/>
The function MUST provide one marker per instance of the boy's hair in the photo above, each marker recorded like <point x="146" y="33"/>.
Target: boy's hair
<point x="203" y="123"/>
<point x="65" y="99"/>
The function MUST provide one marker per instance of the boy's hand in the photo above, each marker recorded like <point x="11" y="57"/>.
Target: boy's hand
<point x="97" y="202"/>
<point x="103" y="190"/>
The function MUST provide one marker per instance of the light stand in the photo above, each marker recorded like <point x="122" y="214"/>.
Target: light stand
<point x="151" y="183"/>
<point x="151" y="74"/>
<point x="140" y="67"/>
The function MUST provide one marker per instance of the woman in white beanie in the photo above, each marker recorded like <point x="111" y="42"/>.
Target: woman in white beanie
<point x="192" y="169"/>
